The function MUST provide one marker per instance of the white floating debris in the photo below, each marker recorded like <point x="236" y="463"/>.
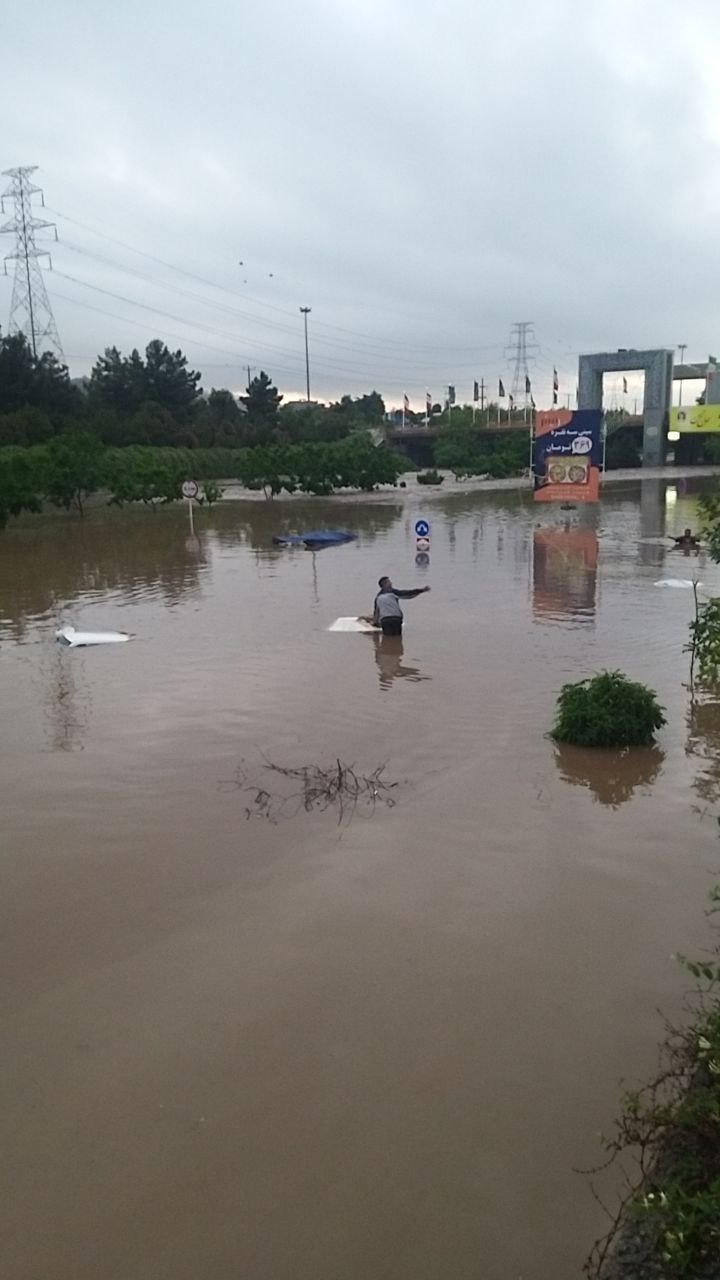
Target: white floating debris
<point x="352" y="624"/>
<point x="74" y="639"/>
<point x="684" y="583"/>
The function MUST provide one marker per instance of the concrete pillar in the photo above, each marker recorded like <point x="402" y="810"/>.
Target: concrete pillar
<point x="658" y="393"/>
<point x="590" y="384"/>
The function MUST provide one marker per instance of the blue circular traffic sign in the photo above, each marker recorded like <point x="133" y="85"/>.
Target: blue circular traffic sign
<point x="422" y="529"/>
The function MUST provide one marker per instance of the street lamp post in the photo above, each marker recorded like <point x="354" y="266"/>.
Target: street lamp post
<point x="305" y="311"/>
<point x="682" y="348"/>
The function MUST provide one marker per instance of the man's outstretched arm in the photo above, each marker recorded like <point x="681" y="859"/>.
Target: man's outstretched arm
<point x="409" y="595"/>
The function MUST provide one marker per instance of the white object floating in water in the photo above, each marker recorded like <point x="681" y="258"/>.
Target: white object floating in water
<point x="685" y="583"/>
<point x="352" y="624"/>
<point x="74" y="639"/>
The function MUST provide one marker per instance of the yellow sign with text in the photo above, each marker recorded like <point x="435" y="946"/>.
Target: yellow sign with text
<point x="695" y="418"/>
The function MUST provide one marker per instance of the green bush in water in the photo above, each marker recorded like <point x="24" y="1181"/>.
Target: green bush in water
<point x="429" y="477"/>
<point x="607" y="710"/>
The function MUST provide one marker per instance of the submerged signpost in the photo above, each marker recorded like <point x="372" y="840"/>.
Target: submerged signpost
<point x="422" y="542"/>
<point x="190" y="491"/>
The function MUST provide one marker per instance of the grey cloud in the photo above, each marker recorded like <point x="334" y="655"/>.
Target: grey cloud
<point x="420" y="176"/>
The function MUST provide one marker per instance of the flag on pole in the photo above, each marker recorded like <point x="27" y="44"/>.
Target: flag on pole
<point x="451" y="395"/>
<point x="527" y="385"/>
<point x="428" y="404"/>
<point x="476" y="391"/>
<point x="556" y="383"/>
<point x="512" y="402"/>
<point x="624" y="386"/>
<point x="501" y="390"/>
<point x="406" y="404"/>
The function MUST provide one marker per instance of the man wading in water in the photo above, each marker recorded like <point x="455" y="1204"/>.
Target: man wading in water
<point x="387" y="613"/>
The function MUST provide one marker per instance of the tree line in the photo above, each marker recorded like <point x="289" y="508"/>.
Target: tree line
<point x="156" y="399"/>
<point x="74" y="466"/>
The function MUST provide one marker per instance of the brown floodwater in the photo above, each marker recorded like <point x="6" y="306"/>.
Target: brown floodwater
<point x="295" y="1049"/>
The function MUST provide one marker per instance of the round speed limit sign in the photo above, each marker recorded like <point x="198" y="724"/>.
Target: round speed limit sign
<point x="189" y="489"/>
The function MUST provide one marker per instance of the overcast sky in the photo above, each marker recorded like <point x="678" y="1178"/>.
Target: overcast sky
<point x="421" y="174"/>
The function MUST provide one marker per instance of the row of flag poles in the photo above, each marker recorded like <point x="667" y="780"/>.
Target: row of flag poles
<point x="479" y="394"/>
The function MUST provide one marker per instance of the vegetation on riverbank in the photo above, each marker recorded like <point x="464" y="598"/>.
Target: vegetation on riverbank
<point x="154" y="399"/>
<point x="140" y="425"/>
<point x="668" y="1223"/>
<point x="468" y="451"/>
<point x="75" y="465"/>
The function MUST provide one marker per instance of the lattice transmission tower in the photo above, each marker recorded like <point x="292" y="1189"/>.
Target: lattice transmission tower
<point x="30" y="310"/>
<point x="521" y="350"/>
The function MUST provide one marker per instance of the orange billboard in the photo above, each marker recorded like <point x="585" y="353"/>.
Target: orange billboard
<point x="567" y="451"/>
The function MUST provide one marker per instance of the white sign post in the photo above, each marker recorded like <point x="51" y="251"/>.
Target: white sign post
<point x="190" y="491"/>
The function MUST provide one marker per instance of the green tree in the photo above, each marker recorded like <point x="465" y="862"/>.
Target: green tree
<point x="315" y="423"/>
<point x="267" y="468"/>
<point x="74" y="469"/>
<point x="222" y="408"/>
<point x="118" y="382"/>
<point x="262" y="402"/>
<point x="39" y="382"/>
<point x="470" y="451"/>
<point x="26" y="426"/>
<point x="219" y="421"/>
<point x="169" y="382"/>
<point x="360" y="464"/>
<point x="140" y="475"/>
<point x="19" y="484"/>
<point x="152" y="424"/>
<point x="370" y="408"/>
<point x="126" y="383"/>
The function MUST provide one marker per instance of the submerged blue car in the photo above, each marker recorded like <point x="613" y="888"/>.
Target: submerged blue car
<point x="316" y="538"/>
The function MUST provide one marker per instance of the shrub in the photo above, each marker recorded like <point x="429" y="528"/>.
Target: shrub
<point x="704" y="646"/>
<point x="607" y="710"/>
<point x="74" y="469"/>
<point x="211" y="493"/>
<point x="430" y="477"/>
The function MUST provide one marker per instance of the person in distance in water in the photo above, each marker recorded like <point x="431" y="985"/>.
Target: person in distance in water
<point x="687" y="541"/>
<point x="387" y="613"/>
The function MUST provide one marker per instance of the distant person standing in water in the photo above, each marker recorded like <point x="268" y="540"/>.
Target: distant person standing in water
<point x="687" y="541"/>
<point x="387" y="613"/>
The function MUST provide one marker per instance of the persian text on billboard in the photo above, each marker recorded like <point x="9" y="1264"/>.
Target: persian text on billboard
<point x="567" y="453"/>
<point x="695" y="417"/>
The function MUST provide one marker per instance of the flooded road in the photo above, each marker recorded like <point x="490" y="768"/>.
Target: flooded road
<point x="304" y="1050"/>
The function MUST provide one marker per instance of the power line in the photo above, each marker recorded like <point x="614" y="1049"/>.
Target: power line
<point x="361" y="358"/>
<point x="375" y="353"/>
<point x="326" y="364"/>
<point x="240" y="361"/>
<point x="259" y="301"/>
<point x="30" y="310"/>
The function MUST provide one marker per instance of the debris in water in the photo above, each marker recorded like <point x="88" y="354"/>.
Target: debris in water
<point x="337" y="786"/>
<point x="73" y="639"/>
